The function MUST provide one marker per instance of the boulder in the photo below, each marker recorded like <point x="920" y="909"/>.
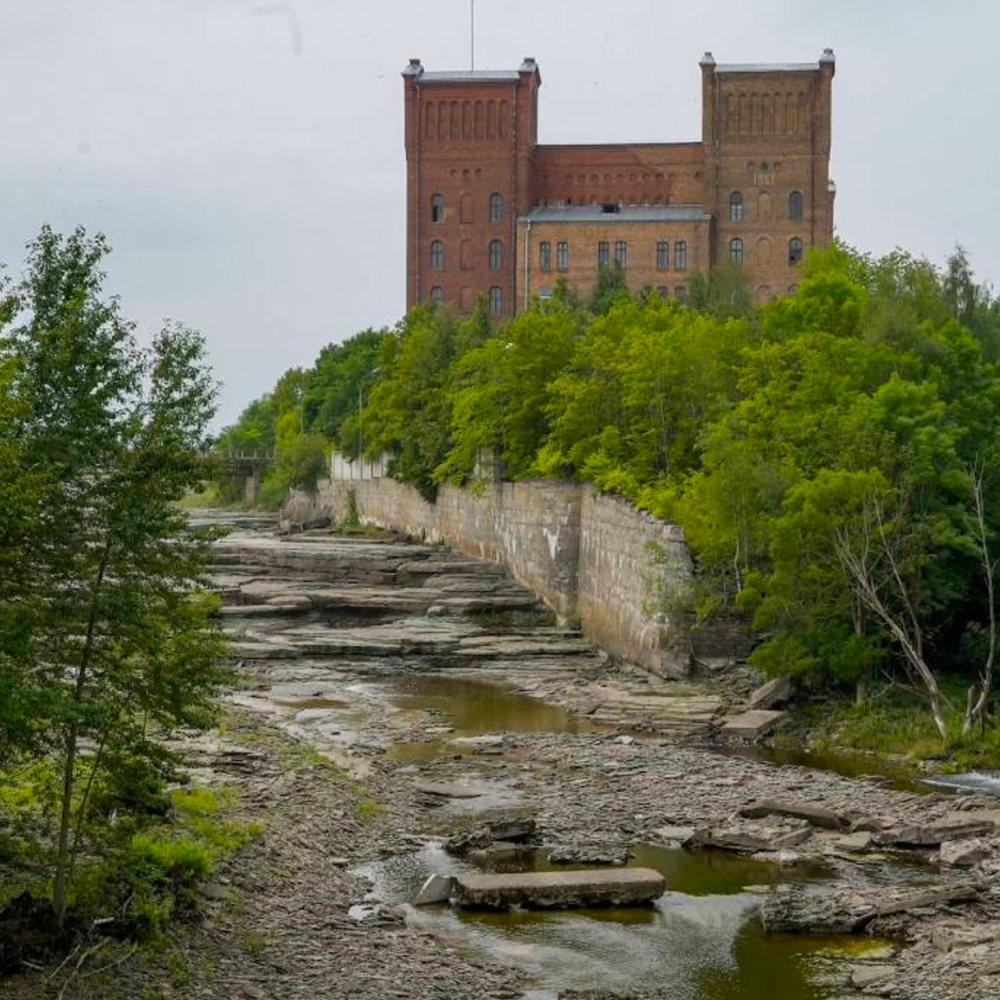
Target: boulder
<point x="753" y="837"/>
<point x="516" y="829"/>
<point x="437" y="889"/>
<point x="855" y="843"/>
<point x="773" y="693"/>
<point x="814" y="815"/>
<point x="675" y="834"/>
<point x="964" y="853"/>
<point x="559" y="890"/>
<point x="796" y="912"/>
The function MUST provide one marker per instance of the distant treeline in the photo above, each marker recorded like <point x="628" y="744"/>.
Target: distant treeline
<point x="830" y="455"/>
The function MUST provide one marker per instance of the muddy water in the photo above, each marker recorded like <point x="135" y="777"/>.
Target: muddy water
<point x="698" y="942"/>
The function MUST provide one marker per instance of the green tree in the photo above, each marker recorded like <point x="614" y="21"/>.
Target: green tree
<point x="115" y="633"/>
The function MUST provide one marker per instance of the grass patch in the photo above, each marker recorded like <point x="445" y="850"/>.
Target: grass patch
<point x="897" y="722"/>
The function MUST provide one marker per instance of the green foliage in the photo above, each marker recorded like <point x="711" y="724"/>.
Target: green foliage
<point x="104" y="628"/>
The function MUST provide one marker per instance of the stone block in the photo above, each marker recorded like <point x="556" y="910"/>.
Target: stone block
<point x="559" y="890"/>
<point x="773" y="693"/>
<point x="437" y="889"/>
<point x="751" y="725"/>
<point x="814" y="815"/>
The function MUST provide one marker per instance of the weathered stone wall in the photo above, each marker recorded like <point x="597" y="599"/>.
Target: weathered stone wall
<point x="634" y="571"/>
<point x="620" y="570"/>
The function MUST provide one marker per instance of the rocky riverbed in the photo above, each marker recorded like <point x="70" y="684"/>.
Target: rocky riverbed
<point x="406" y="711"/>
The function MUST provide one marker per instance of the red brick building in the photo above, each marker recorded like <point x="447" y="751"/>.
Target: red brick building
<point x="491" y="212"/>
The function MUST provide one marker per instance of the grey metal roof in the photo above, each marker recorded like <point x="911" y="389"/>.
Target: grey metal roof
<point x="626" y="213"/>
<point x="766" y="67"/>
<point x="470" y="76"/>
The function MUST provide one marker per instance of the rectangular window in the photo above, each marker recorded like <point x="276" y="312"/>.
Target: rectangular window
<point x="545" y="256"/>
<point x="621" y="254"/>
<point x="603" y="255"/>
<point x="680" y="255"/>
<point x="681" y="292"/>
<point x="562" y="255"/>
<point x="662" y="255"/>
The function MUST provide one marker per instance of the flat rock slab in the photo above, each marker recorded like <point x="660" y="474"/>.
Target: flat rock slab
<point x="559" y="890"/>
<point x="814" y="815"/>
<point x="773" y="693"/>
<point x="750" y="725"/>
<point x="447" y="791"/>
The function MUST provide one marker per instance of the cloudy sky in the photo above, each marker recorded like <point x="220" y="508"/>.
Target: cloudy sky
<point x="245" y="157"/>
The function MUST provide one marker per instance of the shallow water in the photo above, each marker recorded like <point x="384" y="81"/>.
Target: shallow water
<point x="698" y="942"/>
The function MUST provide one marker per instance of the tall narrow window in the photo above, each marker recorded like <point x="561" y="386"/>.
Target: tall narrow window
<point x="562" y="255"/>
<point x="794" y="251"/>
<point x="663" y="291"/>
<point x="437" y="294"/>
<point x="681" y="292"/>
<point x="603" y="254"/>
<point x="437" y="255"/>
<point x="437" y="208"/>
<point x="681" y="255"/>
<point x="795" y="206"/>
<point x="545" y="256"/>
<point x="496" y="255"/>
<point x="496" y="207"/>
<point x="662" y="255"/>
<point x="736" y="252"/>
<point x="736" y="206"/>
<point x="621" y="253"/>
<point x="496" y="301"/>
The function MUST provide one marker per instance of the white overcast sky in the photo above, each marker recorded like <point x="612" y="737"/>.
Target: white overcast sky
<point x="245" y="157"/>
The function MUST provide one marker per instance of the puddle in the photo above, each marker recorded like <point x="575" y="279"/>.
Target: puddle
<point x="844" y="762"/>
<point x="699" y="941"/>
<point x="474" y="708"/>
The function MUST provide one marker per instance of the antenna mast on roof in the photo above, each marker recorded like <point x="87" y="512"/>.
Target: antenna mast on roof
<point x="472" y="34"/>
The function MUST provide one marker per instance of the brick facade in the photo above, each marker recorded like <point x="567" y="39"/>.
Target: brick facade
<point x="482" y="194"/>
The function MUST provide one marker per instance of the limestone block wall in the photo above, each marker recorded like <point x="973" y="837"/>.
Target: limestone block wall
<point x="634" y="572"/>
<point x="620" y="570"/>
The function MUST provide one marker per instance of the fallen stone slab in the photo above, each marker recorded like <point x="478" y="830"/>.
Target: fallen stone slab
<point x="559" y="890"/>
<point x="866" y="975"/>
<point x="855" y="843"/>
<point x="932" y="896"/>
<point x="675" y="834"/>
<point x="771" y="694"/>
<point x="437" y="889"/>
<point x="616" y="856"/>
<point x="750" y="725"/>
<point x="516" y="829"/>
<point x="751" y="837"/>
<point x="934" y="834"/>
<point x="951" y="935"/>
<point x="814" y="815"/>
<point x="796" y="912"/>
<point x="446" y="791"/>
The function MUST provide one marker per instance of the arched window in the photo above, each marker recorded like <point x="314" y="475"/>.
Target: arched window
<point x="794" y="251"/>
<point x="496" y="255"/>
<point x="621" y="253"/>
<point x="662" y="255"/>
<point x="736" y="207"/>
<point x="680" y="255"/>
<point x="496" y="207"/>
<point x="496" y="301"/>
<point x="437" y="294"/>
<point x="437" y="208"/>
<point x="795" y="206"/>
<point x="562" y="255"/>
<point x="736" y="252"/>
<point x="545" y="256"/>
<point x="437" y="255"/>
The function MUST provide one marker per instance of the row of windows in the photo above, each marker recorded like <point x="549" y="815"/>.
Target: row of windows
<point x="736" y="206"/>
<point x="495" y="253"/>
<point x="495" y="298"/>
<point x="604" y="255"/>
<point x="794" y="251"/>
<point x="438" y="205"/>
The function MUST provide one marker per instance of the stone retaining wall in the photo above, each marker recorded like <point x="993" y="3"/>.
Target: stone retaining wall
<point x="584" y="554"/>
